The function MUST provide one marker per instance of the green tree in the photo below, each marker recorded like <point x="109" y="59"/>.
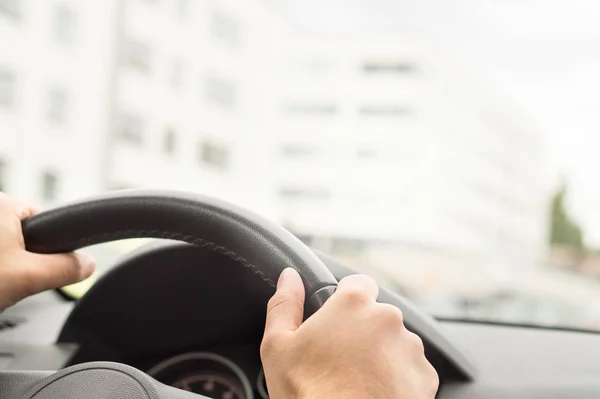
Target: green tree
<point x="563" y="229"/>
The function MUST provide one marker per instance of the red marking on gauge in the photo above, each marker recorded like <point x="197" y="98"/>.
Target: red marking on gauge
<point x="211" y="385"/>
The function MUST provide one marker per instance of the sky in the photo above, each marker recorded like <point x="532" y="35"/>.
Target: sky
<point x="544" y="55"/>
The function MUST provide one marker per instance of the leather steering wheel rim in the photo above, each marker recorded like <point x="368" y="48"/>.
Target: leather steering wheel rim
<point x="245" y="237"/>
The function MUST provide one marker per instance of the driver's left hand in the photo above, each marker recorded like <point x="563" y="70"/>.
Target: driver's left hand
<point x="24" y="273"/>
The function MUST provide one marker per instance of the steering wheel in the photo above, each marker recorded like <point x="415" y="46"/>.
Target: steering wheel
<point x="252" y="241"/>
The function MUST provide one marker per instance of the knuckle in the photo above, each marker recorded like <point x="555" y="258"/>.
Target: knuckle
<point x="416" y="340"/>
<point x="416" y="344"/>
<point x="433" y="379"/>
<point x="390" y="316"/>
<point x="268" y="345"/>
<point x="363" y="279"/>
<point x="278" y="299"/>
<point x="355" y="296"/>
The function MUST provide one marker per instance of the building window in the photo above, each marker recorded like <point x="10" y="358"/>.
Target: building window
<point x="11" y="8"/>
<point x="57" y="106"/>
<point x="177" y="73"/>
<point x="224" y="27"/>
<point x="220" y="91"/>
<point x="7" y="89"/>
<point x="213" y="154"/>
<point x="389" y="68"/>
<point x="348" y="246"/>
<point x="49" y="186"/>
<point x="182" y="9"/>
<point x="366" y="153"/>
<point x="2" y="175"/>
<point x="309" y="66"/>
<point x="298" y="151"/>
<point x="64" y="24"/>
<point x="131" y="129"/>
<point x="291" y="193"/>
<point x="383" y="110"/>
<point x="169" y="142"/>
<point x="312" y="109"/>
<point x="137" y="55"/>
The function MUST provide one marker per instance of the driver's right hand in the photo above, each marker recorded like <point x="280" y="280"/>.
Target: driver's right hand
<point x="353" y="347"/>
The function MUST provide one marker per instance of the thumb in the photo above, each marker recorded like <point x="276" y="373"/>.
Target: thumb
<point x="44" y="272"/>
<point x="286" y="308"/>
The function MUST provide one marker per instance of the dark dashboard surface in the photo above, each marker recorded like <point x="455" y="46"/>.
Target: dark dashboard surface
<point x="153" y="324"/>
<point x="520" y="362"/>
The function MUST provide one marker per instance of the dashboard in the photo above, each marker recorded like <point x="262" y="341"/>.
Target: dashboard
<point x="211" y="345"/>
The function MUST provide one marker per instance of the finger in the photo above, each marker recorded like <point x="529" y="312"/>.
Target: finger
<point x="20" y="209"/>
<point x="25" y="210"/>
<point x="12" y="212"/>
<point x="357" y="288"/>
<point x="286" y="307"/>
<point x="45" y="272"/>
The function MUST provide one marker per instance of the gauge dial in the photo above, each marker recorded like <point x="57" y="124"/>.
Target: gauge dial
<point x="206" y="374"/>
<point x="212" y="385"/>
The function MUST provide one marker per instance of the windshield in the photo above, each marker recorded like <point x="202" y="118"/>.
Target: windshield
<point x="447" y="148"/>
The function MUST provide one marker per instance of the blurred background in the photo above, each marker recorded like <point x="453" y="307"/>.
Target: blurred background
<point x="449" y="149"/>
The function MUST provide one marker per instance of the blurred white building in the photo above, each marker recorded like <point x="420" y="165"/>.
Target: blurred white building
<point x="54" y="85"/>
<point x="347" y="141"/>
<point x="194" y="97"/>
<point x="116" y="94"/>
<point x="385" y="142"/>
